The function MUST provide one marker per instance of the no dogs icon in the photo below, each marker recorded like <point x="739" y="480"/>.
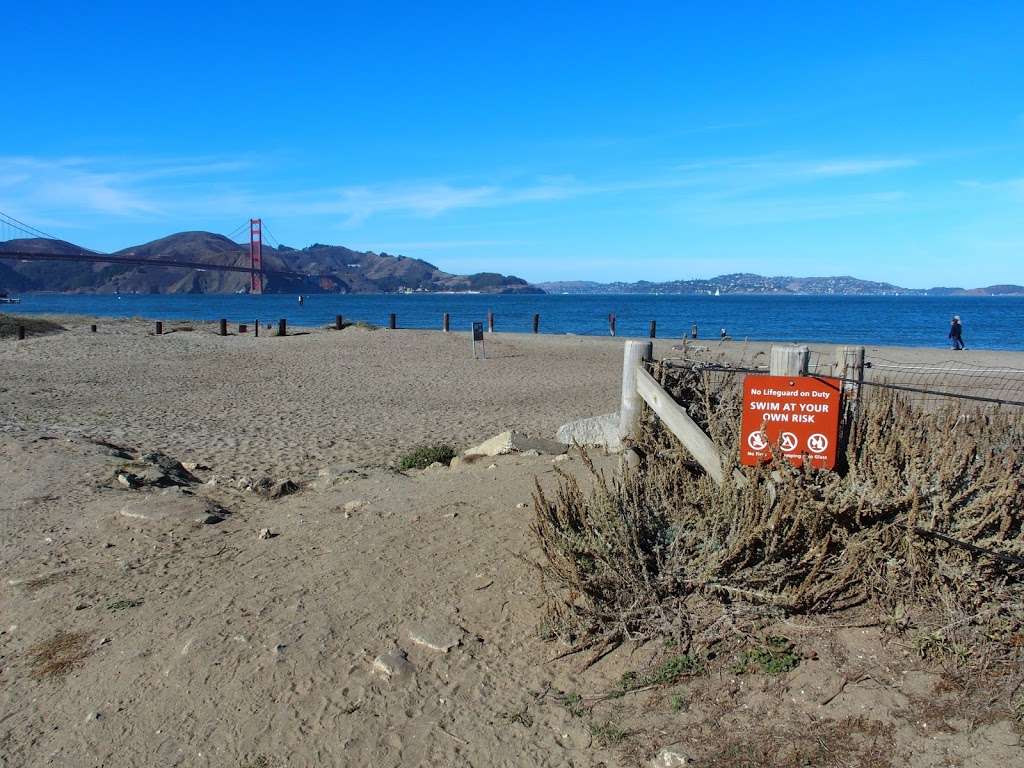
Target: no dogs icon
<point x="817" y="443"/>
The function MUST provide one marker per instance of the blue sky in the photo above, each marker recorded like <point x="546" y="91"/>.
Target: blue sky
<point x="602" y="141"/>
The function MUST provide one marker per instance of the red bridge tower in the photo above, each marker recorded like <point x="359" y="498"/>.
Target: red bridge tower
<point x="256" y="254"/>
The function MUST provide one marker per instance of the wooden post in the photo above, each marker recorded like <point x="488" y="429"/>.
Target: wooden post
<point x="159" y="328"/>
<point x="392" y="322"/>
<point x="611" y="323"/>
<point x="223" y="327"/>
<point x="282" y="327"/>
<point x="444" y="322"/>
<point x="92" y="328"/>
<point x="858" y="373"/>
<point x="653" y="330"/>
<point x="850" y="368"/>
<point x="490" y="321"/>
<point x="536" y="323"/>
<point x="256" y="326"/>
<point x="339" y="322"/>
<point x="21" y="333"/>
<point x="634" y="353"/>
<point x="789" y="361"/>
<point x="700" y="446"/>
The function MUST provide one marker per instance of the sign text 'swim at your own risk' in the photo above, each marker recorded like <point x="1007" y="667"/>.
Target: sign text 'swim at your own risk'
<point x="799" y="415"/>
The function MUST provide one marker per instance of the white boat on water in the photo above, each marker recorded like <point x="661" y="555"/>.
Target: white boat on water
<point x="5" y="299"/>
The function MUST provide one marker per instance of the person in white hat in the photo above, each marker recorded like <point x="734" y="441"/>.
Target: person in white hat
<point x="956" y="333"/>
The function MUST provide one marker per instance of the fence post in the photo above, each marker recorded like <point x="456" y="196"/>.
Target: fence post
<point x="338" y="322"/>
<point x="282" y="327"/>
<point x="21" y="333"/>
<point x="490" y="321"/>
<point x="789" y="361"/>
<point x="92" y="328"/>
<point x="444" y="322"/>
<point x="256" y="325"/>
<point x="223" y="327"/>
<point x="850" y="367"/>
<point x="392" y="321"/>
<point x="611" y="323"/>
<point x="536" y="323"/>
<point x="634" y="353"/>
<point x="159" y="328"/>
<point x="653" y="329"/>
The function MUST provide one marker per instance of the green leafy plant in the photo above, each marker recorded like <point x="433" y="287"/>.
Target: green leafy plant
<point x="425" y="455"/>
<point x="608" y="733"/>
<point x="668" y="672"/>
<point x="775" y="657"/>
<point x="573" y="703"/>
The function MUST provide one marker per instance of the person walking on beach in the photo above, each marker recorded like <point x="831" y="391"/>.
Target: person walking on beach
<point x="693" y="331"/>
<point x="956" y="333"/>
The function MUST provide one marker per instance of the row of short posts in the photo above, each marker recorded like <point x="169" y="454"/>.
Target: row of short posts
<point x="446" y="322"/>
<point x="282" y="325"/>
<point x="222" y="327"/>
<point x="21" y="331"/>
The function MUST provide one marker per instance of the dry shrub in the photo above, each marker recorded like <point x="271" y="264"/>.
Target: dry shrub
<point x="58" y="655"/>
<point x="923" y="522"/>
<point x="34" y="326"/>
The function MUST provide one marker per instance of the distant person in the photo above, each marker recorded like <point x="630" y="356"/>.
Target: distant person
<point x="956" y="333"/>
<point x="693" y="331"/>
<point x="723" y="334"/>
<point x="301" y="300"/>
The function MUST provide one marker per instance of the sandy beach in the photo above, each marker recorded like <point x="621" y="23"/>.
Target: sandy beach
<point x="198" y="643"/>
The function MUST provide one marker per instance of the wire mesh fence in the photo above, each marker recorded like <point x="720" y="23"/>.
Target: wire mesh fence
<point x="937" y="383"/>
<point x="930" y="384"/>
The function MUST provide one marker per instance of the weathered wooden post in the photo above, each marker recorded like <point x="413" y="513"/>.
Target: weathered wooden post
<point x="652" y="331"/>
<point x="159" y="328"/>
<point x="536" y="323"/>
<point x="21" y="333"/>
<point x="256" y="327"/>
<point x="444" y="322"/>
<point x="789" y="361"/>
<point x="223" y="327"/>
<point x="490" y="321"/>
<point x="282" y="327"/>
<point x="392" y="322"/>
<point x="92" y="328"/>
<point x="339" y="322"/>
<point x="850" y="368"/>
<point x="635" y="353"/>
<point x="611" y="324"/>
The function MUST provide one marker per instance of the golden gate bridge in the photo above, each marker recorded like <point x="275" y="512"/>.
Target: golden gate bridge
<point x="63" y="250"/>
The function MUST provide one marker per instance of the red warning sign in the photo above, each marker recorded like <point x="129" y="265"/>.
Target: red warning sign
<point x="797" y="414"/>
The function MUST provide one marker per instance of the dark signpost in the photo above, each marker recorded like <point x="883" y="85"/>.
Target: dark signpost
<point x="478" y="335"/>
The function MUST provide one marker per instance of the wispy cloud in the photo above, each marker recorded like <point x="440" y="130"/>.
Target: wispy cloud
<point x="185" y="188"/>
<point x="110" y="186"/>
<point x="860" y="167"/>
<point x="776" y="170"/>
<point x="769" y="210"/>
<point x="430" y="245"/>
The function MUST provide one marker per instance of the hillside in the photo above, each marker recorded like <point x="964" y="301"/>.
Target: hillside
<point x="325" y="268"/>
<point x="750" y="284"/>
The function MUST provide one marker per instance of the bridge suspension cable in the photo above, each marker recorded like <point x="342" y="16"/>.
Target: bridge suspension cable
<point x="10" y="225"/>
<point x="270" y="235"/>
<point x="237" y="230"/>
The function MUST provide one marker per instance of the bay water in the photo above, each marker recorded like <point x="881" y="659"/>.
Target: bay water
<point x="990" y="322"/>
